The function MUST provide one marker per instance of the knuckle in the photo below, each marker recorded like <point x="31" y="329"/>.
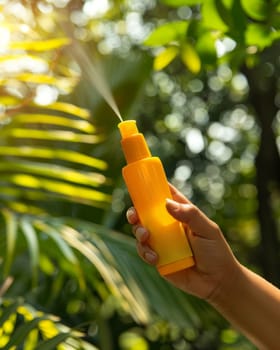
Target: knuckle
<point x="192" y="210"/>
<point x="215" y="227"/>
<point x="134" y="229"/>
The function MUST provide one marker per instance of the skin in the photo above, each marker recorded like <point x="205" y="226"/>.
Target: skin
<point x="247" y="300"/>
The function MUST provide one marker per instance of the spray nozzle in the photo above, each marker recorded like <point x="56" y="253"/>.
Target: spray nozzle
<point x="133" y="143"/>
<point x="128" y="128"/>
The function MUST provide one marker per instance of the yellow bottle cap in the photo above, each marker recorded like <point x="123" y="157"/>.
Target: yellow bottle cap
<point x="128" y="128"/>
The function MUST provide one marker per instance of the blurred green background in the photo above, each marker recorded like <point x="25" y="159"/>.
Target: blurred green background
<point x="202" y="80"/>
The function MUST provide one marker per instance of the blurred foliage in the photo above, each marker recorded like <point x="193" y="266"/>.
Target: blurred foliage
<point x="202" y="78"/>
<point x="20" y="323"/>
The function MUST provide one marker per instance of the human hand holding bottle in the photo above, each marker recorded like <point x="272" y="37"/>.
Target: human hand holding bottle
<point x="244" y="298"/>
<point x="214" y="260"/>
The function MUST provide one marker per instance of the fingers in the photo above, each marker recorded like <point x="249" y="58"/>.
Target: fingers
<point x="140" y="233"/>
<point x="142" y="237"/>
<point x="147" y="254"/>
<point x="177" y="195"/>
<point x="143" y="248"/>
<point x="197" y="221"/>
<point x="132" y="216"/>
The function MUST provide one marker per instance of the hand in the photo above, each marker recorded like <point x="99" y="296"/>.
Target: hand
<point x="214" y="260"/>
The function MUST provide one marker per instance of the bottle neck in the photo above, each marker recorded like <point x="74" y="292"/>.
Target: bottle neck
<point x="133" y="142"/>
<point x="135" y="148"/>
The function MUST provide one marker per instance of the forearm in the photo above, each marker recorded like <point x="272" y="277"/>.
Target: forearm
<point x="246" y="300"/>
<point x="252" y="305"/>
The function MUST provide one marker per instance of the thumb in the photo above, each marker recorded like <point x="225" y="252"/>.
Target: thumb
<point x="192" y="216"/>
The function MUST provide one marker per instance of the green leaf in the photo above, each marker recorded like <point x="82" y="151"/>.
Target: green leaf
<point x="28" y="61"/>
<point x="190" y="58"/>
<point x="21" y="333"/>
<point x="28" y="322"/>
<point x="165" y="57"/>
<point x="9" y="101"/>
<point x="256" y="9"/>
<point x="51" y="135"/>
<point x="100" y="256"/>
<point x="232" y="14"/>
<point x="211" y="17"/>
<point x="178" y="3"/>
<point x="37" y="78"/>
<point x="46" y="264"/>
<point x="65" y="84"/>
<point x="31" y="340"/>
<point x="9" y="310"/>
<point x="51" y="344"/>
<point x="167" y="33"/>
<point x="56" y="237"/>
<point x="44" y="45"/>
<point x="20" y="207"/>
<point x="259" y="35"/>
<point x="70" y="109"/>
<point x="110" y="252"/>
<point x="206" y="48"/>
<point x="53" y="171"/>
<point x="11" y="234"/>
<point x="67" y="191"/>
<point x="49" y="119"/>
<point x="275" y="35"/>
<point x="33" y="246"/>
<point x="53" y="154"/>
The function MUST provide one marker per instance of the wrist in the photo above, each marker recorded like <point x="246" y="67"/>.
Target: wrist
<point x="223" y="295"/>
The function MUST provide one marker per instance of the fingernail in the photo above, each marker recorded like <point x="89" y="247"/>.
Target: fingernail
<point x="150" y="257"/>
<point x="130" y="212"/>
<point x="172" y="203"/>
<point x="141" y="234"/>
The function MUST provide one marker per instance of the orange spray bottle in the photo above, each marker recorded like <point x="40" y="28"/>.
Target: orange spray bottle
<point x="148" y="188"/>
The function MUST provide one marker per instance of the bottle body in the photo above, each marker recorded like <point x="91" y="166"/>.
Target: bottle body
<point x="148" y="188"/>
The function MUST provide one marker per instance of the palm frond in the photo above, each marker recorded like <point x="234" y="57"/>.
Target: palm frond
<point x="33" y="246"/>
<point x="44" y="146"/>
<point x="11" y="237"/>
<point x="70" y="109"/>
<point x="141" y="292"/>
<point x="53" y="120"/>
<point x="22" y="325"/>
<point x="54" y="155"/>
<point x="144" y="293"/>
<point x="23" y="137"/>
<point x="40" y="45"/>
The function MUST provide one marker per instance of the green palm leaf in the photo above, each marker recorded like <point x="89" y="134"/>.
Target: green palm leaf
<point x="49" y="135"/>
<point x="56" y="120"/>
<point x="56" y="154"/>
<point x="33" y="246"/>
<point x="70" y="109"/>
<point x="10" y="309"/>
<point x="63" y="181"/>
<point x="22" y="332"/>
<point x="19" y="320"/>
<point x="11" y="237"/>
<point x="51" y="344"/>
<point x="56" y="171"/>
<point x="138" y="287"/>
<point x="40" y="45"/>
